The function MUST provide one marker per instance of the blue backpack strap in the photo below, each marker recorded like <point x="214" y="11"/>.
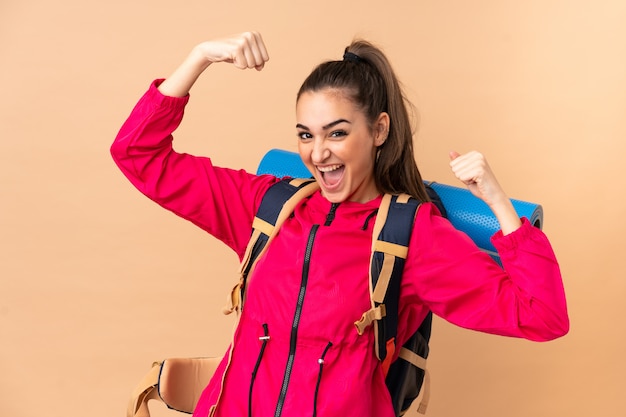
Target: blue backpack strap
<point x="277" y="204"/>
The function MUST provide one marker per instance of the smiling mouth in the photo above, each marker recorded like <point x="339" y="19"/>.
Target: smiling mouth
<point x="331" y="174"/>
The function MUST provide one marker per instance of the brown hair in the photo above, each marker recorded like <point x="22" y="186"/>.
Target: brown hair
<point x="366" y="76"/>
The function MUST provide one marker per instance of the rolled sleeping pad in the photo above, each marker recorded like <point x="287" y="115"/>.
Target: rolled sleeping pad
<point x="473" y="216"/>
<point x="466" y="212"/>
<point x="281" y="163"/>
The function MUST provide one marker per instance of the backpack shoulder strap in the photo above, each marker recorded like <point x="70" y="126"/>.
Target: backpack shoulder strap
<point x="390" y="240"/>
<point x="276" y="205"/>
<point x="406" y="378"/>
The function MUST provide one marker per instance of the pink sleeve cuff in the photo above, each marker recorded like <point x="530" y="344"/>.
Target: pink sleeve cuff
<point x="514" y="239"/>
<point x="160" y="100"/>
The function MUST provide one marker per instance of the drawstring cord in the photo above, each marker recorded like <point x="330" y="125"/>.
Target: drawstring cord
<point x="319" y="378"/>
<point x="367" y="220"/>
<point x="264" y="340"/>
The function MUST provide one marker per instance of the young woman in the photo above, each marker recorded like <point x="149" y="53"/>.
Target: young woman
<point x="354" y="135"/>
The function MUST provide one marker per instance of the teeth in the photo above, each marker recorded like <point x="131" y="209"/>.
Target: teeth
<point x="329" y="168"/>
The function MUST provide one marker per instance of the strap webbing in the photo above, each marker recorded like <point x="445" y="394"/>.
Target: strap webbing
<point x="412" y="357"/>
<point x="384" y="278"/>
<point x="391" y="248"/>
<point x="145" y="391"/>
<point x="381" y="218"/>
<point x="420" y="362"/>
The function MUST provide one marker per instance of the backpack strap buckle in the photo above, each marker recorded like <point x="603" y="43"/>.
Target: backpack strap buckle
<point x="371" y="315"/>
<point x="233" y="300"/>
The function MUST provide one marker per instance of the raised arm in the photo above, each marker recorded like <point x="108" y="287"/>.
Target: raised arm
<point x="245" y="51"/>
<point x="185" y="184"/>
<point x="460" y="283"/>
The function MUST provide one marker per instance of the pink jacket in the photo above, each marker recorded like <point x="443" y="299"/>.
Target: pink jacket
<point x="296" y="351"/>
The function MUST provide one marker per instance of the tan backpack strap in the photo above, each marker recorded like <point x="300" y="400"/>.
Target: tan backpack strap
<point x="233" y="300"/>
<point x="381" y="218"/>
<point x="420" y="362"/>
<point x="378" y="293"/>
<point x="382" y="284"/>
<point x="145" y="391"/>
<point x="412" y="357"/>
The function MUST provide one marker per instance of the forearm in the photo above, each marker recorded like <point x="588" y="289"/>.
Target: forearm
<point x="505" y="213"/>
<point x="183" y="78"/>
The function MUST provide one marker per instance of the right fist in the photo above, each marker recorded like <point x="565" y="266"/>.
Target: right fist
<point x="245" y="50"/>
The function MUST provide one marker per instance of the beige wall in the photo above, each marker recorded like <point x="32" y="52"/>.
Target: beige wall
<point x="96" y="281"/>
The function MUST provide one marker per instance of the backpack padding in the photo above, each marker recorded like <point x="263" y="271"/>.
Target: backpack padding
<point x="182" y="381"/>
<point x="178" y="382"/>
<point x="145" y="391"/>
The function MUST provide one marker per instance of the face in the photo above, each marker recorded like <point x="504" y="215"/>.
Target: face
<point x="338" y="145"/>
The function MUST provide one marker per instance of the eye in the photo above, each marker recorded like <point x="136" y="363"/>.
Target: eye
<point x="338" y="133"/>
<point x="305" y="136"/>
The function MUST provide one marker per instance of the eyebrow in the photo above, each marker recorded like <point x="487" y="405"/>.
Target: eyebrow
<point x="325" y="127"/>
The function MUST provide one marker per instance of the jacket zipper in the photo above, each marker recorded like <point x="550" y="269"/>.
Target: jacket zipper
<point x="296" y="321"/>
<point x="331" y="214"/>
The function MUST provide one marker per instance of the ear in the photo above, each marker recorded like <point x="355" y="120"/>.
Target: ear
<point x="381" y="129"/>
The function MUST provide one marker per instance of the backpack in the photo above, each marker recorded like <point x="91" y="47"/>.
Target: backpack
<point x="405" y="376"/>
<point x="179" y="382"/>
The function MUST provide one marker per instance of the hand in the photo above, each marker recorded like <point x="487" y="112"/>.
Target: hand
<point x="474" y="171"/>
<point x="245" y="50"/>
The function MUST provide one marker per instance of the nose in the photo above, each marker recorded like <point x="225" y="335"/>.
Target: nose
<point x="320" y="152"/>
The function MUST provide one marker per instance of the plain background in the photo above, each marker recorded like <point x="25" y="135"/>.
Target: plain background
<point x="96" y="281"/>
